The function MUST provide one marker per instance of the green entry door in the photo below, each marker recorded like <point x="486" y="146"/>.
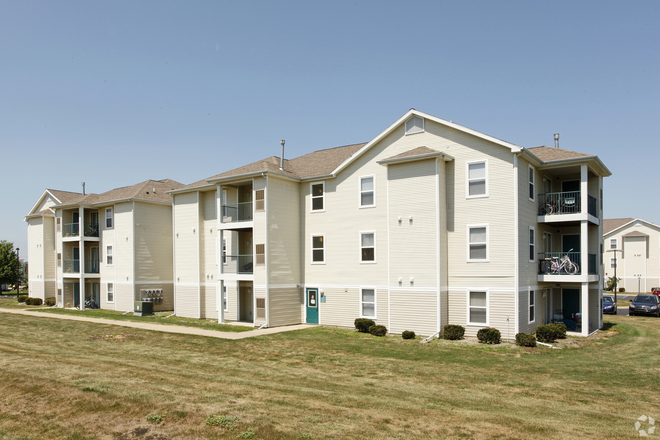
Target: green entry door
<point x="570" y="302"/>
<point x="312" y="301"/>
<point x="76" y="294"/>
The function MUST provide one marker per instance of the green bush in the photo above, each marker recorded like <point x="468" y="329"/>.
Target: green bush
<point x="22" y="298"/>
<point x="228" y="422"/>
<point x="559" y="329"/>
<point x="545" y="333"/>
<point x="51" y="301"/>
<point x="378" y="330"/>
<point x="408" y="334"/>
<point x="525" y="340"/>
<point x="34" y="301"/>
<point x="155" y="418"/>
<point x="362" y="324"/>
<point x="621" y="289"/>
<point x="489" y="335"/>
<point x="453" y="332"/>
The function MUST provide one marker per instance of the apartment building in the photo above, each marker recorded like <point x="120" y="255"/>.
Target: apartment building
<point x="104" y="250"/>
<point x="429" y="223"/>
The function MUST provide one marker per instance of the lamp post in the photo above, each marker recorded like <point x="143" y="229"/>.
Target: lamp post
<point x="616" y="283"/>
<point x="18" y="272"/>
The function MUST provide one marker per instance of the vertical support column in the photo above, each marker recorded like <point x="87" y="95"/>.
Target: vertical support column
<point x="584" y="308"/>
<point x="220" y="234"/>
<point x="81" y="255"/>
<point x="600" y="253"/>
<point x="584" y="248"/>
<point x="584" y="189"/>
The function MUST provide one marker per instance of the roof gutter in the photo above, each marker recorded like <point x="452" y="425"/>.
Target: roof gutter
<point x="441" y="156"/>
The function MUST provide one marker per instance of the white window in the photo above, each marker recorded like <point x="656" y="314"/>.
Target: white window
<point x="367" y="191"/>
<point x="368" y="303"/>
<point x="532" y="306"/>
<point x="477" y="173"/>
<point x="318" y="250"/>
<point x="414" y="125"/>
<point x="478" y="243"/>
<point x="478" y="308"/>
<point x="531" y="183"/>
<point x="224" y="298"/>
<point x="613" y="243"/>
<point x="108" y="218"/>
<point x="318" y="193"/>
<point x="612" y="263"/>
<point x="367" y="247"/>
<point x="108" y="255"/>
<point x="532" y="244"/>
<point x="224" y="250"/>
<point x="111" y="293"/>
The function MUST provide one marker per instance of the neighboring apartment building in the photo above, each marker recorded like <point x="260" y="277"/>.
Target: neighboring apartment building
<point x="104" y="248"/>
<point x="637" y="256"/>
<point x="428" y="224"/>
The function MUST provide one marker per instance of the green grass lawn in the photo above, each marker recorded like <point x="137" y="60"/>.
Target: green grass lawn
<point x="78" y="380"/>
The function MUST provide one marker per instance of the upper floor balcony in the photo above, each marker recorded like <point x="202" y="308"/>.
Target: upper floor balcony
<point x="72" y="230"/>
<point x="553" y="264"/>
<point x="237" y="264"/>
<point x="566" y="206"/>
<point x="237" y="212"/>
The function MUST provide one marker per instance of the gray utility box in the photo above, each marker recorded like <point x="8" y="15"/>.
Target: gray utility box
<point x="143" y="308"/>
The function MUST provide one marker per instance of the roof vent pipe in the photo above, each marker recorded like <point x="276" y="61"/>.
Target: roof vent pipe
<point x="282" y="156"/>
<point x="83" y="184"/>
<point x="556" y="140"/>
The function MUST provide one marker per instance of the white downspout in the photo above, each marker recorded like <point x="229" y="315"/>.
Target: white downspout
<point x="516" y="245"/>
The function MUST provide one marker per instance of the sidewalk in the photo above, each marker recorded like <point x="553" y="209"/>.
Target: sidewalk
<point x="182" y="330"/>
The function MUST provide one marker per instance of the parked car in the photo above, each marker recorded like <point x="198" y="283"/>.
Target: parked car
<point x="645" y="305"/>
<point x="655" y="290"/>
<point x="609" y="306"/>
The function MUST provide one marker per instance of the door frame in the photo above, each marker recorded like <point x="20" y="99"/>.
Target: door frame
<point x="307" y="306"/>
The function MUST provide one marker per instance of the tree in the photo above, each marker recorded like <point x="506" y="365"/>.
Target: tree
<point x="8" y="263"/>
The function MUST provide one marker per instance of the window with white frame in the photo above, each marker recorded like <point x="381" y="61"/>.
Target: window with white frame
<point x="108" y="218"/>
<point x="531" y="183"/>
<point x="532" y="244"/>
<point x="367" y="191"/>
<point x="224" y="298"/>
<point x="318" y="249"/>
<point x="414" y="125"/>
<point x="532" y="306"/>
<point x="108" y="255"/>
<point x="110" y="292"/>
<point x="612" y="263"/>
<point x="368" y="303"/>
<point x="318" y="194"/>
<point x="613" y="243"/>
<point x="478" y="243"/>
<point x="478" y="308"/>
<point x="367" y="247"/>
<point x="224" y="250"/>
<point x="477" y="173"/>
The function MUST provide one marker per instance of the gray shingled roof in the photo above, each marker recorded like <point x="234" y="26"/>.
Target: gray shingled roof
<point x="143" y="191"/>
<point x="635" y="234"/>
<point x="419" y="151"/>
<point x="548" y="154"/>
<point x="66" y="197"/>
<point x="614" y="223"/>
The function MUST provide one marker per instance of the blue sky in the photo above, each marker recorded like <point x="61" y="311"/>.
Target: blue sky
<point x="112" y="93"/>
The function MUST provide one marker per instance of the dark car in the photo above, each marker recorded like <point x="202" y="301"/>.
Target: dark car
<point x="609" y="306"/>
<point x="645" y="305"/>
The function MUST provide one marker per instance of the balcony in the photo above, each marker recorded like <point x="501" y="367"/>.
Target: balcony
<point x="566" y="263"/>
<point x="238" y="264"/>
<point x="92" y="266"/>
<point x="555" y="205"/>
<point x="71" y="266"/>
<point x="92" y="230"/>
<point x="237" y="212"/>
<point x="71" y="230"/>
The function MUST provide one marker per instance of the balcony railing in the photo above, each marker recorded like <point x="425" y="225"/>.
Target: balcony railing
<point x="240" y="264"/>
<point x="92" y="266"/>
<point x="237" y="212"/>
<point x="559" y="263"/>
<point x="567" y="202"/>
<point x="592" y="205"/>
<point x="92" y="230"/>
<point x="71" y="230"/>
<point x="71" y="266"/>
<point x="593" y="264"/>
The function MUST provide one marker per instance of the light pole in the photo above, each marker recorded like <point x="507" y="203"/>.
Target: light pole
<point x="18" y="272"/>
<point x="616" y="283"/>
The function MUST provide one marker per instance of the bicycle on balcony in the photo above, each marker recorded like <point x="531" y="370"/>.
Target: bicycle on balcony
<point x="560" y="265"/>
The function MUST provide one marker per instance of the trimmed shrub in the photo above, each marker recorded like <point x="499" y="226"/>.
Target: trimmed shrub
<point x="378" y="330"/>
<point x="453" y="332"/>
<point x="621" y="289"/>
<point x="51" y="301"/>
<point x="22" y="298"/>
<point x="559" y="329"/>
<point x="362" y="324"/>
<point x="408" y="334"/>
<point x="545" y="333"/>
<point x="34" y="301"/>
<point x="525" y="340"/>
<point x="489" y="335"/>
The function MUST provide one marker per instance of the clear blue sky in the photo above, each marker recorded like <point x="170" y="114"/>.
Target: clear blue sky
<point x="116" y="92"/>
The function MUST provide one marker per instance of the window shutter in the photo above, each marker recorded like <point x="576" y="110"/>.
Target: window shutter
<point x="259" y="204"/>
<point x="261" y="254"/>
<point x="59" y="224"/>
<point x="261" y="308"/>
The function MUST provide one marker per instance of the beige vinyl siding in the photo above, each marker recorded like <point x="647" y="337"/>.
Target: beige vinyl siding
<point x="500" y="306"/>
<point x="527" y="216"/>
<point x="36" y="257"/>
<point x="285" y="306"/>
<point x="186" y="257"/>
<point x="283" y="232"/>
<point x="232" y="301"/>
<point x="49" y="255"/>
<point x="258" y="292"/>
<point x="413" y="310"/>
<point x="208" y="235"/>
<point x="209" y="302"/>
<point x="153" y="242"/>
<point x="123" y="258"/>
<point x="108" y="273"/>
<point x="342" y="306"/>
<point x="525" y="325"/>
<point x="631" y="266"/>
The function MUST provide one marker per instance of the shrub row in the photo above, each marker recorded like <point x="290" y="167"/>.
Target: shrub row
<point x="50" y="301"/>
<point x="363" y="324"/>
<point x="453" y="332"/>
<point x="34" y="301"/>
<point x="408" y="334"/>
<point x="489" y="335"/>
<point x="525" y="340"/>
<point x="22" y="298"/>
<point x="378" y="330"/>
<point x="550" y="332"/>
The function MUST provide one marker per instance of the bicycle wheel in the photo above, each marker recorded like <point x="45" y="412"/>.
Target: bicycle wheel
<point x="571" y="268"/>
<point x="545" y="209"/>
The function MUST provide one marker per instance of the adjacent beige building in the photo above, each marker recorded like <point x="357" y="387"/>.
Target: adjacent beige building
<point x="632" y="246"/>
<point x="429" y="223"/>
<point x="104" y="250"/>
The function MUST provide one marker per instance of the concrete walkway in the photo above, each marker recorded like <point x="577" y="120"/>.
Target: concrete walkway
<point x="182" y="330"/>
